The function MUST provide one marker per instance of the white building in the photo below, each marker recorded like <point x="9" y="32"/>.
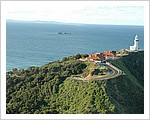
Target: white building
<point x="135" y="46"/>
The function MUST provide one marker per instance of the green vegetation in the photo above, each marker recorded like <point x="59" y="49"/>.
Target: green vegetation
<point x="127" y="92"/>
<point x="96" y="70"/>
<point x="49" y="89"/>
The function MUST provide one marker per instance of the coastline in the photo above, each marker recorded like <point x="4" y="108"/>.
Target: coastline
<point x="54" y="61"/>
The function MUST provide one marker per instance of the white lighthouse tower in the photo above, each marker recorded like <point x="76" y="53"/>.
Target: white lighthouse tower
<point x="136" y="42"/>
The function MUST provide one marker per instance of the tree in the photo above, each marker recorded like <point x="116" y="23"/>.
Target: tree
<point x="78" y="56"/>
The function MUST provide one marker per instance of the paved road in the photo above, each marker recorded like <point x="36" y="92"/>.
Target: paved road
<point x="115" y="72"/>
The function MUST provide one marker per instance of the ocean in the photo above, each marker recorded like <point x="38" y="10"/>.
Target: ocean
<point x="38" y="43"/>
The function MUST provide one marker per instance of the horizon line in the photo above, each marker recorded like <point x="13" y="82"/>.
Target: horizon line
<point x="60" y="22"/>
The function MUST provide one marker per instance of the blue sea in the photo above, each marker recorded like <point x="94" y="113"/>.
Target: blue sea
<point x="38" y="43"/>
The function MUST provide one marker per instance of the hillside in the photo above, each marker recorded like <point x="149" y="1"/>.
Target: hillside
<point x="127" y="92"/>
<point x="50" y="89"/>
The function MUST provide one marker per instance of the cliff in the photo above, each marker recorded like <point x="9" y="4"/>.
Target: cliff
<point x="127" y="92"/>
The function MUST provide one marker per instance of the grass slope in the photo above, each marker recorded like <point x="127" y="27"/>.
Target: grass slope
<point x="127" y="92"/>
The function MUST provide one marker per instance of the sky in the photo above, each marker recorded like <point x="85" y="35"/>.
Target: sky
<point x="89" y="12"/>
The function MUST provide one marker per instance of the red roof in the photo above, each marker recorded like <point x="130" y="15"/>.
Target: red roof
<point x="109" y="53"/>
<point x="96" y="57"/>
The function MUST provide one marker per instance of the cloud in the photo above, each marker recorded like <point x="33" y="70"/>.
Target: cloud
<point x="75" y="12"/>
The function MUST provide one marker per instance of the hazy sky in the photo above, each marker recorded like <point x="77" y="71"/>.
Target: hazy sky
<point x="76" y="12"/>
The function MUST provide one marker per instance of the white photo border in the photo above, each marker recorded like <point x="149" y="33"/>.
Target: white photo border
<point x="79" y="116"/>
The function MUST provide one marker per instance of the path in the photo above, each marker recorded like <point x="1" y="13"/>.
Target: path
<point x="115" y="72"/>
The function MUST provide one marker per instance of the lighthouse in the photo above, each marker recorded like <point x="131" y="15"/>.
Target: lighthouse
<point x="136" y="42"/>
